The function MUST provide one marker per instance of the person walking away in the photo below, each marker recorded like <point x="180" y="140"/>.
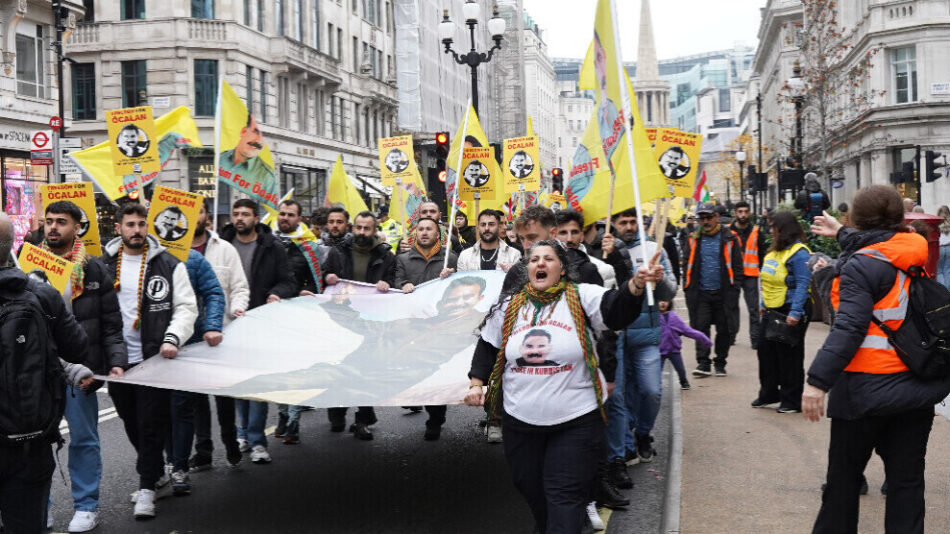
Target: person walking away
<point x="753" y="250"/>
<point x="943" y="261"/>
<point x="812" y="201"/>
<point x="270" y="279"/>
<point x="30" y="416"/>
<point x="227" y="267"/>
<point x="158" y="315"/>
<point x="90" y="296"/>
<point x="785" y="298"/>
<point x="875" y="402"/>
<point x="536" y="354"/>
<point x="712" y="280"/>
<point x="672" y="328"/>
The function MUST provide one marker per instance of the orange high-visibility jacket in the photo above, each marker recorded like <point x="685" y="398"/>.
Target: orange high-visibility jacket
<point x="750" y="254"/>
<point x="726" y="252"/>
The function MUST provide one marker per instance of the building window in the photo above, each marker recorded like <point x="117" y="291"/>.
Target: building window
<point x="249" y="86"/>
<point x="90" y="11"/>
<point x="132" y="9"/>
<point x="724" y="102"/>
<point x="316" y="24"/>
<point x="262" y="95"/>
<point x="134" y="92"/>
<point x="279" y="17"/>
<point x="202" y="9"/>
<point x="247" y="12"/>
<point x="356" y="122"/>
<point x="330" y="40"/>
<point x="206" y="87"/>
<point x="333" y="131"/>
<point x="319" y="113"/>
<point x="366" y="123"/>
<point x="29" y="62"/>
<point x="353" y="5"/>
<point x="283" y="101"/>
<point x="904" y="74"/>
<point x="298" y="20"/>
<point x="303" y="113"/>
<point x="339" y="43"/>
<point x="84" y="91"/>
<point x="356" y="54"/>
<point x="260" y="15"/>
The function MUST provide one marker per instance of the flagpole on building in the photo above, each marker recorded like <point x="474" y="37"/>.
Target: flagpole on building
<point x="627" y="113"/>
<point x="217" y="145"/>
<point x="455" y="194"/>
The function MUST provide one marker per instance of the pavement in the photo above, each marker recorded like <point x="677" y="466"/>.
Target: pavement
<point x="747" y="470"/>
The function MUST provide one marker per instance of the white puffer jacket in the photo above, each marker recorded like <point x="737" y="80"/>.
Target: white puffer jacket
<point x="470" y="259"/>
<point x="226" y="262"/>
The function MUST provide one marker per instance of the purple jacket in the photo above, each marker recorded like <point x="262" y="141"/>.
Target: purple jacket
<point x="672" y="327"/>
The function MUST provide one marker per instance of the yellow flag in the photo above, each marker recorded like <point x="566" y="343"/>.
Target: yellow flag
<point x="478" y="180"/>
<point x="530" y="131"/>
<point x="474" y="136"/>
<point x="340" y="190"/>
<point x="405" y="200"/>
<point x="133" y="139"/>
<point x="244" y="159"/>
<point x="175" y="129"/>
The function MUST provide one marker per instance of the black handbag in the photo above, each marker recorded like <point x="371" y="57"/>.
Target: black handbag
<point x="778" y="331"/>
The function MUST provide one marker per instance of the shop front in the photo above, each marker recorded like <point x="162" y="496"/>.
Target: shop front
<point x="21" y="182"/>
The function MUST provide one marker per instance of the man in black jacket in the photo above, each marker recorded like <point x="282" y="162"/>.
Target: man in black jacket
<point x="26" y="469"/>
<point x="713" y="276"/>
<point x="365" y="259"/>
<point x="92" y="298"/>
<point x="270" y="278"/>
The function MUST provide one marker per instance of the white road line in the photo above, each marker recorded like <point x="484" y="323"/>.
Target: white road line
<point x="104" y="415"/>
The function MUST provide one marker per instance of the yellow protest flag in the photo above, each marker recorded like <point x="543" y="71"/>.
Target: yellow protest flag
<point x="244" y="160"/>
<point x="522" y="164"/>
<point x="80" y="194"/>
<point x="478" y="180"/>
<point x="175" y="129"/>
<point x="530" y="130"/>
<point x="405" y="200"/>
<point x="396" y="160"/>
<point x="133" y="140"/>
<point x="57" y="269"/>
<point x="340" y="190"/>
<point x="473" y="136"/>
<point x="172" y="217"/>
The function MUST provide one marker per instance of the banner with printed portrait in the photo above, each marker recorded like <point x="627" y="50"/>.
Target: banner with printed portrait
<point x="677" y="153"/>
<point x="57" y="269"/>
<point x="80" y="194"/>
<point x="358" y="328"/>
<point x="172" y="217"/>
<point x="522" y="164"/>
<point x="479" y="182"/>
<point x="244" y="160"/>
<point x="469" y="134"/>
<point x="134" y="142"/>
<point x="396" y="160"/>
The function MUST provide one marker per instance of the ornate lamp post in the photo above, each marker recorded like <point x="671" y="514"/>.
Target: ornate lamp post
<point x="496" y="27"/>
<point x="740" y="158"/>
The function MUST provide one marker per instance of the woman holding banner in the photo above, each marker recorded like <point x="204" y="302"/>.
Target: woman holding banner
<point x="536" y="353"/>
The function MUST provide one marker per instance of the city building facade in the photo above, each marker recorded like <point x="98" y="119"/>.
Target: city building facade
<point x="541" y="96"/>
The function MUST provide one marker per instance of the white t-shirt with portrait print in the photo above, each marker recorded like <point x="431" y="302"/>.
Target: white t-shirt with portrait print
<point x="546" y="381"/>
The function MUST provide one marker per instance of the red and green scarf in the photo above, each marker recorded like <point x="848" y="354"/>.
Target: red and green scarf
<point x="540" y="299"/>
<point x="138" y="295"/>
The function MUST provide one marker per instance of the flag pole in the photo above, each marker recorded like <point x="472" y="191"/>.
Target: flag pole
<point x="627" y="113"/>
<point x="217" y="145"/>
<point x="455" y="193"/>
<point x="402" y="208"/>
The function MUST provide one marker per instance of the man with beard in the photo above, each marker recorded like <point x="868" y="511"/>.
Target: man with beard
<point x="245" y="159"/>
<point x="312" y="275"/>
<point x="270" y="279"/>
<point x="712" y="280"/>
<point x="535" y="348"/>
<point x="90" y="295"/>
<point x="337" y="230"/>
<point x="365" y="259"/>
<point x="428" y="209"/>
<point x="227" y="267"/>
<point x="489" y="252"/>
<point x="158" y="310"/>
<point x="753" y="251"/>
<point x="421" y="264"/>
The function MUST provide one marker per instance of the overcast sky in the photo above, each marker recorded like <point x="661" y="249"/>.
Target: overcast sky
<point x="680" y="27"/>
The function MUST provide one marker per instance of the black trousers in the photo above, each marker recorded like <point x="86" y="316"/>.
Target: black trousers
<point x="182" y="435"/>
<point x="146" y="414"/>
<point x="782" y="368"/>
<point x="556" y="468"/>
<point x="750" y="294"/>
<point x="204" y="447"/>
<point x="901" y="440"/>
<point x="365" y="415"/>
<point x="708" y="309"/>
<point x="26" y="472"/>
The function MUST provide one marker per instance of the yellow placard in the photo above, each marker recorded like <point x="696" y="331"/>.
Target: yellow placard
<point x="172" y="218"/>
<point x="477" y="175"/>
<point x="57" y="269"/>
<point x="134" y="141"/>
<point x="555" y="202"/>
<point x="677" y="153"/>
<point x="80" y="194"/>
<point x="396" y="160"/>
<point x="651" y="135"/>
<point x="522" y="169"/>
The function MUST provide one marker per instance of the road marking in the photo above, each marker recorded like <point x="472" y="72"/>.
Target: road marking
<point x="104" y="415"/>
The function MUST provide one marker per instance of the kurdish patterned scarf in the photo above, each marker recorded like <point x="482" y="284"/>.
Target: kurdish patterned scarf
<point x="78" y="256"/>
<point x="540" y="299"/>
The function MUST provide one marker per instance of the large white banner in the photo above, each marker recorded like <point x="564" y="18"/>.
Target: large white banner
<point x="354" y="347"/>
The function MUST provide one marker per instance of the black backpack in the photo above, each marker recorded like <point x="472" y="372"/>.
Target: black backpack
<point x="32" y="392"/>
<point x="923" y="339"/>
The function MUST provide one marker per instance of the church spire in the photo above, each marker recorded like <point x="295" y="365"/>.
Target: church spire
<point x="647" y="68"/>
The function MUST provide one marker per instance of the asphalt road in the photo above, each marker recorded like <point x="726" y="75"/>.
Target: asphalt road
<point x="397" y="483"/>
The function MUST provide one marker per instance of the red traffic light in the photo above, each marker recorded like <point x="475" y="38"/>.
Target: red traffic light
<point x="442" y="176"/>
<point x="556" y="172"/>
<point x="442" y="138"/>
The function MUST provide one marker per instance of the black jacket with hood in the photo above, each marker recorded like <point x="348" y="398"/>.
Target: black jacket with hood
<point x="271" y="272"/>
<point x="382" y="263"/>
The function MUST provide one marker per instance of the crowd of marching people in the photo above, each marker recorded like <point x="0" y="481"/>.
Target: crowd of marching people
<point x="593" y="304"/>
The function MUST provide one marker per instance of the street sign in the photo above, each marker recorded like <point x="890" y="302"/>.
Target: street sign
<point x="68" y="167"/>
<point x="837" y="184"/>
<point x="70" y="142"/>
<point x="55" y="123"/>
<point x="41" y="148"/>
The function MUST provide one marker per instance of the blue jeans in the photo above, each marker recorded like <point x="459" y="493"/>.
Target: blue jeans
<point x="292" y="412"/>
<point x="943" y="266"/>
<point x="637" y="393"/>
<point x="85" y="459"/>
<point x="252" y="417"/>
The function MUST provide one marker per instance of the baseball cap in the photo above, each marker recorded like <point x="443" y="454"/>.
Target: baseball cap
<point x="705" y="207"/>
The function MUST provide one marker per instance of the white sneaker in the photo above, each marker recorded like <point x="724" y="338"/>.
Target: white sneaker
<point x="83" y="521"/>
<point x="162" y="489"/>
<point x="259" y="455"/>
<point x="493" y="431"/>
<point x="243" y="445"/>
<point x="145" y="504"/>
<point x="594" y="517"/>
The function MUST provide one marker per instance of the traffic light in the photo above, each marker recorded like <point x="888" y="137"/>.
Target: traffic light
<point x="557" y="179"/>
<point x="931" y="166"/>
<point x="443" y="175"/>
<point x="441" y="149"/>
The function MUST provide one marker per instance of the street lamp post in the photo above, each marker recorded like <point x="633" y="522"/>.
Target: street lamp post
<point x="496" y="27"/>
<point x="756" y="194"/>
<point x="797" y="85"/>
<point x="740" y="158"/>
